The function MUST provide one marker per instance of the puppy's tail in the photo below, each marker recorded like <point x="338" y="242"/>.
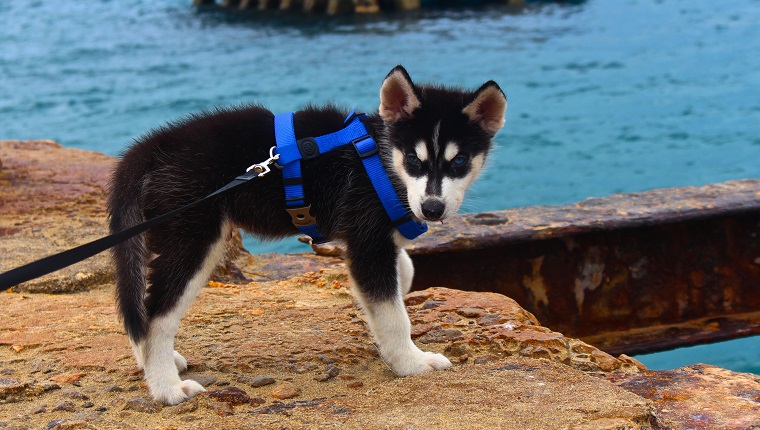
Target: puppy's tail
<point x="125" y="210"/>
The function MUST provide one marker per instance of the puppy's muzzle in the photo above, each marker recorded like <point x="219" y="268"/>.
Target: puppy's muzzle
<point x="433" y="209"/>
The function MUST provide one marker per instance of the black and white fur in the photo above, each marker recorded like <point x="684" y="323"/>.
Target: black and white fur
<point x="433" y="142"/>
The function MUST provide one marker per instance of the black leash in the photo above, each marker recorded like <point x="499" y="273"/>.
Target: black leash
<point x="63" y="259"/>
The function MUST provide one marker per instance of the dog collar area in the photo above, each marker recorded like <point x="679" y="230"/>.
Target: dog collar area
<point x="291" y="151"/>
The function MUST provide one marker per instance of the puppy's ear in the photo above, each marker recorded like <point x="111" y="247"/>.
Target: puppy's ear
<point x="397" y="97"/>
<point x="488" y="108"/>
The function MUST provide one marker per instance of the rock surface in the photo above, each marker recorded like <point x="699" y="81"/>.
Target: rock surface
<point x="699" y="397"/>
<point x="288" y="325"/>
<point x="52" y="200"/>
<point x="286" y="330"/>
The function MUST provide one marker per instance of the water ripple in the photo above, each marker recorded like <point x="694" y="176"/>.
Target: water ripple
<point x="603" y="96"/>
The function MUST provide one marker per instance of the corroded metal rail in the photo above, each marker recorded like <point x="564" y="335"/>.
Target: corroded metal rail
<point x="629" y="273"/>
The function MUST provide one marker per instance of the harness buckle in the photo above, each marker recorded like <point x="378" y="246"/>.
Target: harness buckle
<point x="369" y="147"/>
<point x="301" y="217"/>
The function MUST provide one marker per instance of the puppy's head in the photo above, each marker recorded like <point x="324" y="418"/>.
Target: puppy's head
<point x="439" y="138"/>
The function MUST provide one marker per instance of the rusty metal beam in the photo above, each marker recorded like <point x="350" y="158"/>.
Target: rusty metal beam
<point x="630" y="273"/>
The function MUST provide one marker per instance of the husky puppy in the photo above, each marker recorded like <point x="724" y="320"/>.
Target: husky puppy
<point x="433" y="142"/>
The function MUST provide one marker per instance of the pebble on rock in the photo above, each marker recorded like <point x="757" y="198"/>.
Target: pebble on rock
<point x="286" y="390"/>
<point x="54" y="424"/>
<point x="181" y="409"/>
<point x="233" y="395"/>
<point x="223" y="409"/>
<point x="630" y="360"/>
<point x="322" y="377"/>
<point x="74" y="394"/>
<point x="605" y="361"/>
<point x="331" y="372"/>
<point x="201" y="378"/>
<point x="261" y="381"/>
<point x="49" y="386"/>
<point x="88" y="416"/>
<point x="441" y="336"/>
<point x="65" y="406"/>
<point x="471" y="312"/>
<point x="140" y="404"/>
<point x="327" y="359"/>
<point x="71" y="378"/>
<point x="488" y="320"/>
<point x="432" y="304"/>
<point x="10" y="388"/>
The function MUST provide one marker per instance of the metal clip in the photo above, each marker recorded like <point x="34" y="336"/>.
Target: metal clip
<point x="263" y="167"/>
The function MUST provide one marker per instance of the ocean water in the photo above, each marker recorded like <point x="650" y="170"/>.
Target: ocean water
<point x="604" y="97"/>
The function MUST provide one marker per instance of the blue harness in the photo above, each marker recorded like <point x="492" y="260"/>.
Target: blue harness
<point x="292" y="151"/>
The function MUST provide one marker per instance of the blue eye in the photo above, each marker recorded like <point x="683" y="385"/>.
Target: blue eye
<point x="413" y="159"/>
<point x="459" y="161"/>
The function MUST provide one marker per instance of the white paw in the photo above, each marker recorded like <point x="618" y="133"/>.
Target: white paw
<point x="178" y="393"/>
<point x="420" y="362"/>
<point x="180" y="362"/>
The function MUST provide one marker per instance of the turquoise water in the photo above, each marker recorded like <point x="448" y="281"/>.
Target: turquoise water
<point x="604" y="97"/>
<point x="741" y="355"/>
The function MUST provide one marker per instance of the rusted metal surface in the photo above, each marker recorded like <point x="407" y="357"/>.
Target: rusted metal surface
<point x="630" y="273"/>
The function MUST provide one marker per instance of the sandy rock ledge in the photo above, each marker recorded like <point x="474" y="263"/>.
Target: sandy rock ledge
<point x="278" y="343"/>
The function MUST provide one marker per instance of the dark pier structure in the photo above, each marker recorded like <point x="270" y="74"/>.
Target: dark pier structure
<point x="333" y="7"/>
<point x="629" y="273"/>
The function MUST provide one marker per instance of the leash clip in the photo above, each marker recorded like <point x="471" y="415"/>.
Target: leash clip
<point x="263" y="168"/>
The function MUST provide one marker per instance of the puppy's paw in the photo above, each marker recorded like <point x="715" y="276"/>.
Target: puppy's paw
<point x="179" y="392"/>
<point x="190" y="388"/>
<point x="420" y="362"/>
<point x="180" y="362"/>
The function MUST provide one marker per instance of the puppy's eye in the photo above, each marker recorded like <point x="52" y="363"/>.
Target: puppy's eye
<point x="459" y="161"/>
<point x="413" y="160"/>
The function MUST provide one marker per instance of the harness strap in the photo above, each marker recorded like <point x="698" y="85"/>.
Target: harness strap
<point x="400" y="217"/>
<point x="292" y="151"/>
<point x="295" y="199"/>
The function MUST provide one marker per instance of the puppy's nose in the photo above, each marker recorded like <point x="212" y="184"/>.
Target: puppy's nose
<point x="432" y="209"/>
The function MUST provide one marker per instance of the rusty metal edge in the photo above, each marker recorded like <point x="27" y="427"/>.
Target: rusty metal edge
<point x="619" y="211"/>
<point x="645" y="340"/>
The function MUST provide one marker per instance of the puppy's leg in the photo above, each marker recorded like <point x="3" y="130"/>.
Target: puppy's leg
<point x="405" y="272"/>
<point x="137" y="350"/>
<point x="170" y="295"/>
<point x="376" y="284"/>
<point x="179" y="362"/>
